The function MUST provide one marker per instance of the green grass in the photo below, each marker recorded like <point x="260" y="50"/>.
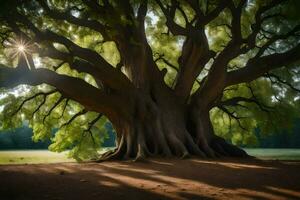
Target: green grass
<point x="36" y="156"/>
<point x="274" y="154"/>
<point x="44" y="156"/>
<point x="32" y="157"/>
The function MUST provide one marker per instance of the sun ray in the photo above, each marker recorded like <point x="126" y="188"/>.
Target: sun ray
<point x="17" y="47"/>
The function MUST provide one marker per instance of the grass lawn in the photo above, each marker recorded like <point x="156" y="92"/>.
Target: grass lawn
<point x="32" y="156"/>
<point x="35" y="156"/>
<point x="44" y="156"/>
<point x="274" y="154"/>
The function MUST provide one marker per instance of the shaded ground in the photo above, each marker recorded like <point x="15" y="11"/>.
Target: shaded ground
<point x="156" y="179"/>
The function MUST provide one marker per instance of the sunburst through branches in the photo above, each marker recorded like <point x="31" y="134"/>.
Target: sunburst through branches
<point x="19" y="47"/>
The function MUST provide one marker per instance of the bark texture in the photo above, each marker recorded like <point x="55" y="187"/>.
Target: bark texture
<point x="161" y="126"/>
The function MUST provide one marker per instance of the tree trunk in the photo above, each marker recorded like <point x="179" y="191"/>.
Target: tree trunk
<point x="160" y="126"/>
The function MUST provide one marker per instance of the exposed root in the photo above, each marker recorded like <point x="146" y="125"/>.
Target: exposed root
<point x="165" y="135"/>
<point x="109" y="155"/>
<point x="177" y="146"/>
<point x="226" y="149"/>
<point x="181" y="150"/>
<point x="193" y="147"/>
<point x="115" y="154"/>
<point x="161" y="139"/>
<point x="219" y="149"/>
<point x="185" y="155"/>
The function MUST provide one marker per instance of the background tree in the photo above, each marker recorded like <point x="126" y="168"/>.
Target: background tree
<point x="156" y="69"/>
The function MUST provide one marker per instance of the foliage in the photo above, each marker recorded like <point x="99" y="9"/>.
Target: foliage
<point x="74" y="134"/>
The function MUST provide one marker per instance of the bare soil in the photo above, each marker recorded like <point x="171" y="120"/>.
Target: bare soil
<point x="155" y="179"/>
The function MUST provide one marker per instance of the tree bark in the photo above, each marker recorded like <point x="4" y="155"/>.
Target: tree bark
<point x="160" y="125"/>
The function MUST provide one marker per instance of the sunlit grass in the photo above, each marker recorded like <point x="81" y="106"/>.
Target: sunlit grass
<point x="36" y="156"/>
<point x="32" y="157"/>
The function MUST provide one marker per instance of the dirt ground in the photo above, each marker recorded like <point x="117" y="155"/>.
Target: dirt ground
<point x="156" y="179"/>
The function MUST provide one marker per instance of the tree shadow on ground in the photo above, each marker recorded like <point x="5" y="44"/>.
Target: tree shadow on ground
<point x="156" y="179"/>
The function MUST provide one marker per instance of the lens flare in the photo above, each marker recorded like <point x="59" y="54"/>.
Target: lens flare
<point x="18" y="47"/>
<point x="21" y="48"/>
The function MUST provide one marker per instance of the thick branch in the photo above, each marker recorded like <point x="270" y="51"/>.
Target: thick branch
<point x="260" y="66"/>
<point x="79" y="90"/>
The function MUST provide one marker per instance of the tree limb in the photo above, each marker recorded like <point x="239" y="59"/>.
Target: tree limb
<point x="70" y="87"/>
<point x="260" y="66"/>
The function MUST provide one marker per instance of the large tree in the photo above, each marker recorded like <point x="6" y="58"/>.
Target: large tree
<point x="156" y="69"/>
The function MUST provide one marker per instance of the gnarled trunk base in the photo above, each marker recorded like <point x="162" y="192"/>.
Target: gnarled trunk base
<point x="163" y="129"/>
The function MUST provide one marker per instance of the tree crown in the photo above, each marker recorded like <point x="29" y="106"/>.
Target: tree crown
<point x="240" y="58"/>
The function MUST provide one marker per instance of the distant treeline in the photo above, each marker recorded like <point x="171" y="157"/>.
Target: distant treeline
<point x="21" y="139"/>
<point x="283" y="139"/>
